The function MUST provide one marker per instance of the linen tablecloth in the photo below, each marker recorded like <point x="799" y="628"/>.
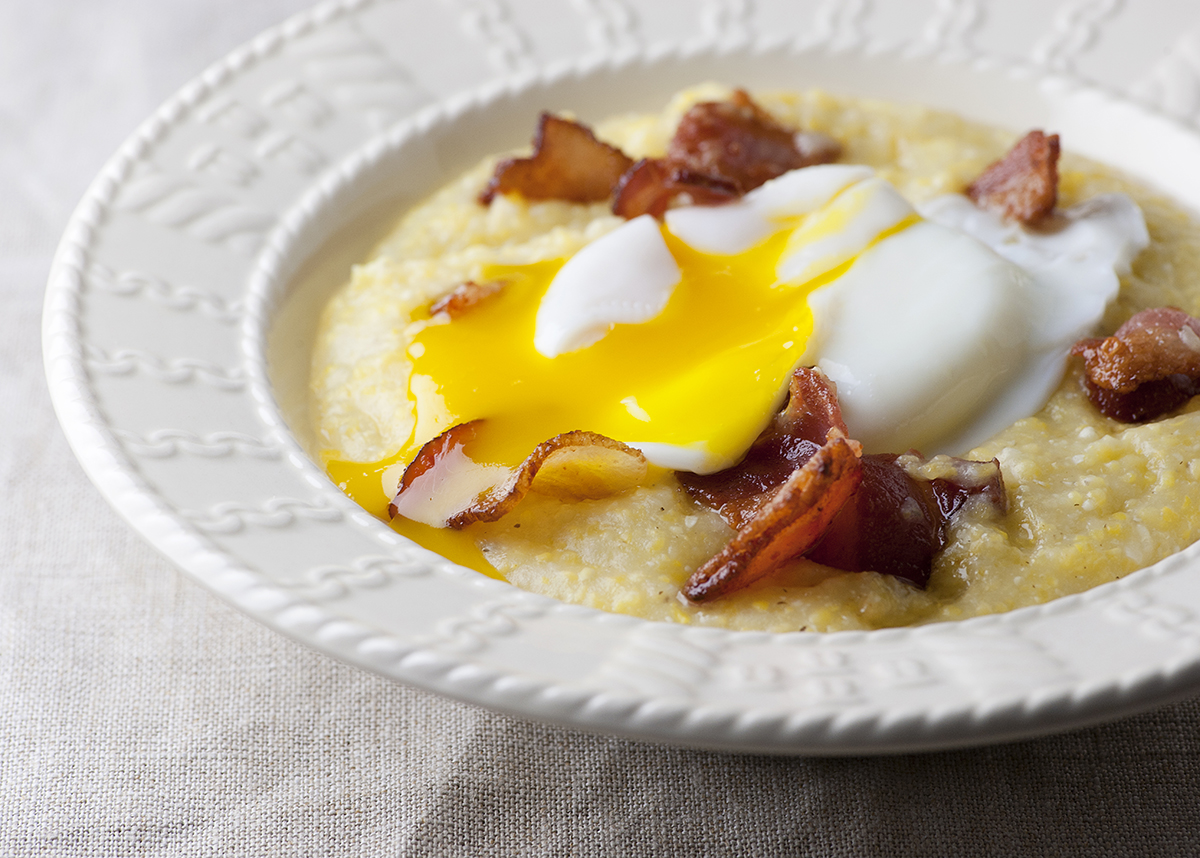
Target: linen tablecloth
<point x="139" y="715"/>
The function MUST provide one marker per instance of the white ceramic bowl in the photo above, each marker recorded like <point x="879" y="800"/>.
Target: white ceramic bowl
<point x="184" y="298"/>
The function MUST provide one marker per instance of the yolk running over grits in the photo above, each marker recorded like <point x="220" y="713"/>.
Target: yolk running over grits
<point x="711" y="370"/>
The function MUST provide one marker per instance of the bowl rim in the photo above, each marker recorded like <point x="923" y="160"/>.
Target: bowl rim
<point x="656" y="716"/>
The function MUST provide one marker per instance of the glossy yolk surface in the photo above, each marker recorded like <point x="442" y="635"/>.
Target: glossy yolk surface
<point x="706" y="371"/>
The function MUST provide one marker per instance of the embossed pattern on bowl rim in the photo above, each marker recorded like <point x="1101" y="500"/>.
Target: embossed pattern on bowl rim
<point x="144" y="356"/>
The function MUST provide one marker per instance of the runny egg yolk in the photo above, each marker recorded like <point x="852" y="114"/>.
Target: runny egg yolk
<point x="706" y="374"/>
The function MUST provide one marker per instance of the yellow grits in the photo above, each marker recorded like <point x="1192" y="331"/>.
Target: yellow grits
<point x="1090" y="499"/>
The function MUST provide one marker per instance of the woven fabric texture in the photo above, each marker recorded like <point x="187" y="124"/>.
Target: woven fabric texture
<point x="141" y="716"/>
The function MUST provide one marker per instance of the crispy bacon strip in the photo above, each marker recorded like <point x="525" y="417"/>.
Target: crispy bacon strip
<point x="573" y="466"/>
<point x="568" y="163"/>
<point x="895" y="521"/>
<point x="435" y="452"/>
<point x="955" y="481"/>
<point x="464" y="297"/>
<point x="1023" y="185"/>
<point x="794" y="520"/>
<point x="652" y="184"/>
<point x="441" y="479"/>
<point x="898" y="520"/>
<point x="1150" y="366"/>
<point x="735" y="140"/>
<point x="721" y="150"/>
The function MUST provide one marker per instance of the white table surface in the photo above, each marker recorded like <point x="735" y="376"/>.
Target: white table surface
<point x="139" y="715"/>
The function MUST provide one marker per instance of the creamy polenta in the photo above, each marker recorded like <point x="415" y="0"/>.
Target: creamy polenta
<point x="1090" y="500"/>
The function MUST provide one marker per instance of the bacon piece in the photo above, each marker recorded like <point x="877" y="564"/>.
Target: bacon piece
<point x="441" y="480"/>
<point x="738" y="141"/>
<point x="1023" y="185"/>
<point x="721" y="150"/>
<point x="1153" y="399"/>
<point x="794" y="519"/>
<point x="464" y="297"/>
<point x="577" y="465"/>
<point x="651" y="185"/>
<point x="573" y="466"/>
<point x="894" y="523"/>
<point x="436" y="451"/>
<point x="568" y="163"/>
<point x="954" y="481"/>
<point x="898" y="521"/>
<point x="1150" y="366"/>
